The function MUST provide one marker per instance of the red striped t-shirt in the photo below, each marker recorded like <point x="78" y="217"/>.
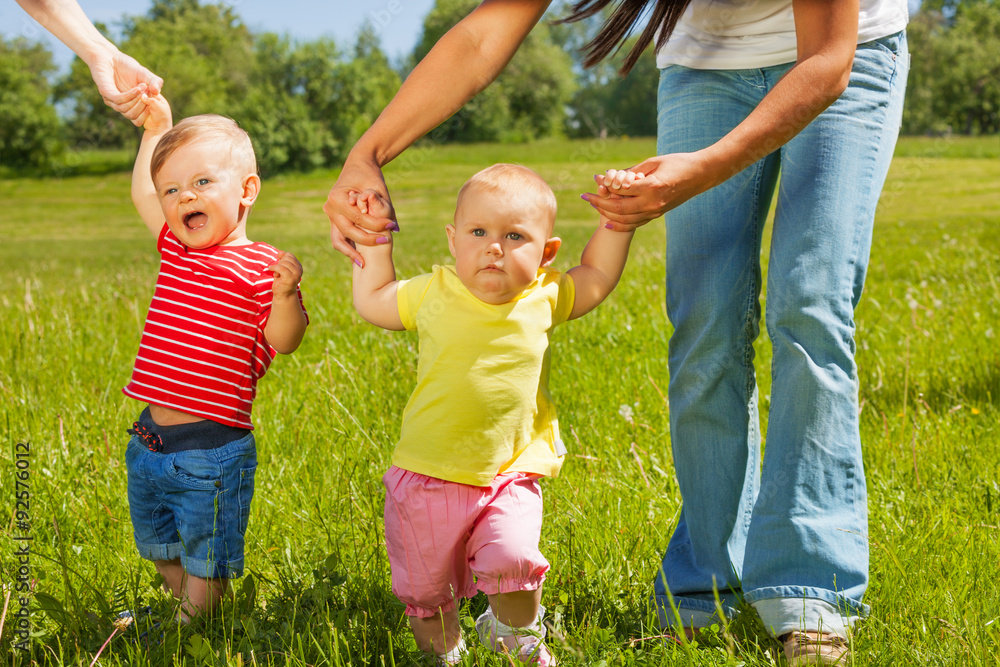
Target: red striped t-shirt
<point x="203" y="348"/>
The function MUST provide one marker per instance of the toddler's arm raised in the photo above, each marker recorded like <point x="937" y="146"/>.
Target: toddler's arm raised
<point x="604" y="258"/>
<point x="147" y="203"/>
<point x="375" y="285"/>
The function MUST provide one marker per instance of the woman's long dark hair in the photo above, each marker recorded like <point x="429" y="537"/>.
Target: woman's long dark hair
<point x="616" y="29"/>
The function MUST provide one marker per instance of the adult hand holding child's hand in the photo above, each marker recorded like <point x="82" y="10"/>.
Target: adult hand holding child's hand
<point x="374" y="206"/>
<point x="664" y="182"/>
<point x="124" y="84"/>
<point x="348" y="223"/>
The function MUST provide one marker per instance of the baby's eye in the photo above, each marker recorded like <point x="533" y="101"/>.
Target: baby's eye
<point x="170" y="191"/>
<point x="514" y="236"/>
<point x="202" y="181"/>
<point x="479" y="232"/>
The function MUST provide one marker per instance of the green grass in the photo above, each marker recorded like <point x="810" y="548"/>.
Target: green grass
<point x="76" y="274"/>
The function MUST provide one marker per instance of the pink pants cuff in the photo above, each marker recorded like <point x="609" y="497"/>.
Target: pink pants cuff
<point x="446" y="540"/>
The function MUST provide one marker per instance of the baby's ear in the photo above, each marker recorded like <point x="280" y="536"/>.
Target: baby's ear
<point x="551" y="248"/>
<point x="251" y="188"/>
<point x="450" y="230"/>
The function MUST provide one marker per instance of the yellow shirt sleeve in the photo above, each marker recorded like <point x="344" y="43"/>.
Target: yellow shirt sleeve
<point x="566" y="299"/>
<point x="409" y="294"/>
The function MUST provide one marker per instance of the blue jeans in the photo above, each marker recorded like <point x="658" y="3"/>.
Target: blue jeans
<point x="791" y="535"/>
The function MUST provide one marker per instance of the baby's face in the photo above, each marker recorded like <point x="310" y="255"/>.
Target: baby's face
<point x="202" y="197"/>
<point x="498" y="244"/>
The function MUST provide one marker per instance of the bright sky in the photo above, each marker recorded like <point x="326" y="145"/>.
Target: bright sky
<point x="398" y="22"/>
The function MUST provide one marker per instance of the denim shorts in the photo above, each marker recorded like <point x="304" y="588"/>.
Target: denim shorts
<point x="193" y="505"/>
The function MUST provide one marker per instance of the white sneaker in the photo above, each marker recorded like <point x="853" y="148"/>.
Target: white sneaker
<point x="524" y="643"/>
<point x="452" y="657"/>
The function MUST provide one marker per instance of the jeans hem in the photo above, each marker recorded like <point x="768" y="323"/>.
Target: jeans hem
<point x="840" y="601"/>
<point x="232" y="569"/>
<point x="692" y="613"/>
<point x="156" y="552"/>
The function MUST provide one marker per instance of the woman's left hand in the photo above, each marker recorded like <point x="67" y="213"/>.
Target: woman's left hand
<point x="668" y="181"/>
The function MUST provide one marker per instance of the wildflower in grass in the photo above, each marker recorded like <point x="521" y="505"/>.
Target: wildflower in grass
<point x="626" y="412"/>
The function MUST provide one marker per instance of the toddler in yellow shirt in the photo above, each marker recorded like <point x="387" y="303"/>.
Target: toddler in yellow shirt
<point x="463" y="505"/>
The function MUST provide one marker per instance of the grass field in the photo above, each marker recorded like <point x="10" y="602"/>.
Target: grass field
<point x="76" y="273"/>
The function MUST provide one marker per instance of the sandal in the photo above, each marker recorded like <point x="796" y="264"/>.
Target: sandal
<point x="815" y="648"/>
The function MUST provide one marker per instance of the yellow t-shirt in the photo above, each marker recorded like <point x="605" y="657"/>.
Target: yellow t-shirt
<point x="481" y="406"/>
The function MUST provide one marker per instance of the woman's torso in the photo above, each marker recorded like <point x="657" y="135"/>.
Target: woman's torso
<point x="742" y="34"/>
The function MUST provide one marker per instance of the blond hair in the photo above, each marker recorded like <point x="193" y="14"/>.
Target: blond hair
<point x="518" y="183"/>
<point x="207" y="127"/>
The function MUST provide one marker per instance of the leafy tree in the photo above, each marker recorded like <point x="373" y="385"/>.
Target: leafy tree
<point x="308" y="103"/>
<point x="91" y="124"/>
<point x="923" y="112"/>
<point x="618" y="105"/>
<point x="954" y="82"/>
<point x="303" y="104"/>
<point x="573" y="37"/>
<point x="361" y="88"/>
<point x="528" y="98"/>
<point x="606" y="104"/>
<point x="29" y="126"/>
<point x="203" y="53"/>
<point x="277" y="112"/>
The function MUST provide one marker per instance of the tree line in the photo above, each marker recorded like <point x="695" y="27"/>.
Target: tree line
<point x="305" y="103"/>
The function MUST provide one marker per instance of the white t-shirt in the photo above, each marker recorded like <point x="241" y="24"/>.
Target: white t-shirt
<point x="744" y="34"/>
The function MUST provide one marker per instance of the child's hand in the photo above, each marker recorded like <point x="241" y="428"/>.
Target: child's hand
<point x="156" y="118"/>
<point x="287" y="274"/>
<point x="372" y="203"/>
<point x="616" y="179"/>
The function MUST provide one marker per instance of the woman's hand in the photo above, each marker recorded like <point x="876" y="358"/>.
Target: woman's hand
<point x="348" y="224"/>
<point x="668" y="181"/>
<point x="123" y="83"/>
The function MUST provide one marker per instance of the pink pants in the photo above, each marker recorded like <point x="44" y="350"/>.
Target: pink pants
<point x="446" y="539"/>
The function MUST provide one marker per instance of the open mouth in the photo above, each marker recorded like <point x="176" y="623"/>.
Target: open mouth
<point x="195" y="220"/>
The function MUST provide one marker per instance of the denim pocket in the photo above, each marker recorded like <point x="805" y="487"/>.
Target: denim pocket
<point x="889" y="52"/>
<point x="245" y="495"/>
<point x="130" y="453"/>
<point x="195" y="469"/>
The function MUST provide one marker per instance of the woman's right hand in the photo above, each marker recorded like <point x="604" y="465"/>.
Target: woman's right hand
<point x="348" y="225"/>
<point x="668" y="181"/>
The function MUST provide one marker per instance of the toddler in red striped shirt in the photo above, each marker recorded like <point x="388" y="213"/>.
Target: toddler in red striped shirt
<point x="222" y="307"/>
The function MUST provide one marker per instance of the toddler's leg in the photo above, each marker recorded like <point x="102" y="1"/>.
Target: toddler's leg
<point x="173" y="575"/>
<point x="524" y="640"/>
<point x="427" y="555"/>
<point x="518" y="608"/>
<point x="511" y="569"/>
<point x="439" y="634"/>
<point x="196" y="594"/>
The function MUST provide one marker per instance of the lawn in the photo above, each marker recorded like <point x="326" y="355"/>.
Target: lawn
<point x="76" y="273"/>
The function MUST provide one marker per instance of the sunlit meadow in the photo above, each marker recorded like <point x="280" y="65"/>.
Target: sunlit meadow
<point x="78" y="267"/>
